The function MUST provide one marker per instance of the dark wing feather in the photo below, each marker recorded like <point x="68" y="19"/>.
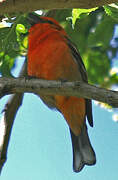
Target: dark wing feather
<point x="83" y="153"/>
<point x="84" y="77"/>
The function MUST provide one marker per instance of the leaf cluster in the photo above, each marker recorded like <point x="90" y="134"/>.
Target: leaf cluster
<point x="13" y="43"/>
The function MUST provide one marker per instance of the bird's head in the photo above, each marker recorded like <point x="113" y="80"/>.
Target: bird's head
<point x="44" y="22"/>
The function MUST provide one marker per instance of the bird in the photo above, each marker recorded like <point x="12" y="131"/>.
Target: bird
<point x="53" y="56"/>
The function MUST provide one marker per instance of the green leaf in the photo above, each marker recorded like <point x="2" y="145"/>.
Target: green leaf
<point x="112" y="10"/>
<point x="77" y="12"/>
<point x="98" y="66"/>
<point x="102" y="33"/>
<point x="79" y="35"/>
<point x="6" y="64"/>
<point x="20" y="28"/>
<point x="12" y="42"/>
<point x="7" y="53"/>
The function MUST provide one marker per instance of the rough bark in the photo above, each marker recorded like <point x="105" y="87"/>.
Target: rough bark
<point x="11" y="6"/>
<point x="78" y="89"/>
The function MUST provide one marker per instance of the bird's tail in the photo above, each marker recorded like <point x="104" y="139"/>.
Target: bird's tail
<point x="83" y="153"/>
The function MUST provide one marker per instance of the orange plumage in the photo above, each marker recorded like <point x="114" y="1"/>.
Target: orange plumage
<point x="52" y="56"/>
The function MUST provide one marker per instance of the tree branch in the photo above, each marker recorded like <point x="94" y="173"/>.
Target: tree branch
<point x="6" y="123"/>
<point x="11" y="6"/>
<point x="39" y="86"/>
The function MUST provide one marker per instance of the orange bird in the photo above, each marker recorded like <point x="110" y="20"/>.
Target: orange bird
<point x="52" y="56"/>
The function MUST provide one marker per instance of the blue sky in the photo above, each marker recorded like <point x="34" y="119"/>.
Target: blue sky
<point x="40" y="146"/>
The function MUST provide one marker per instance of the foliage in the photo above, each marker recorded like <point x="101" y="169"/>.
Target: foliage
<point x="112" y="10"/>
<point x="91" y="30"/>
<point x="12" y="43"/>
<point x="92" y="38"/>
<point x="78" y="13"/>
